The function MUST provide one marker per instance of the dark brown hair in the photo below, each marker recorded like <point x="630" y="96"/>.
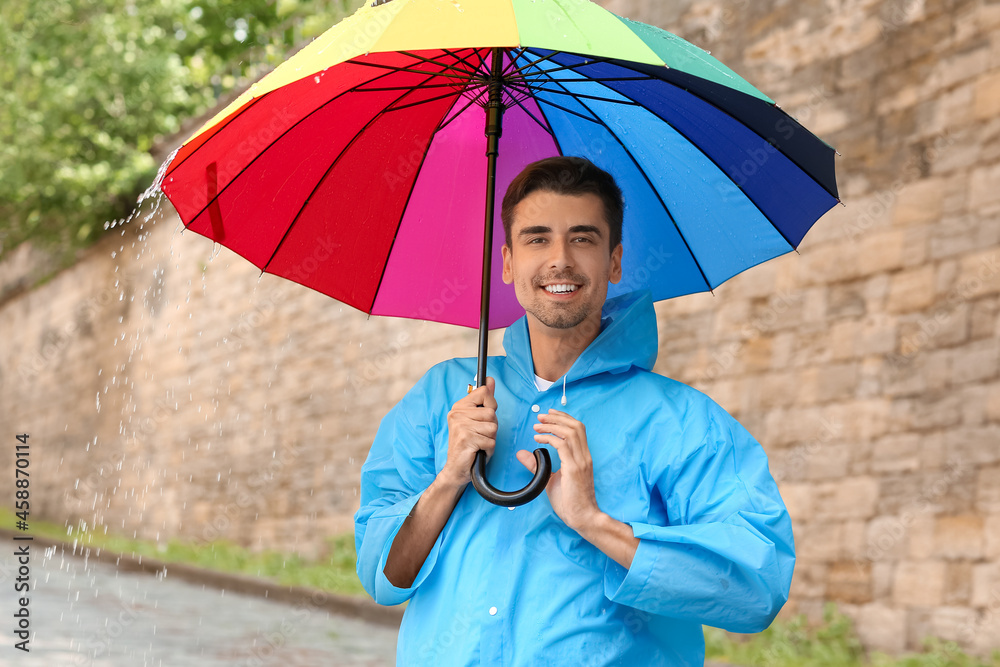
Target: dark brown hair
<point x="566" y="175"/>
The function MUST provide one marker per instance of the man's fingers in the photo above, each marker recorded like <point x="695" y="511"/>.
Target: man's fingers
<point x="482" y="396"/>
<point x="527" y="459"/>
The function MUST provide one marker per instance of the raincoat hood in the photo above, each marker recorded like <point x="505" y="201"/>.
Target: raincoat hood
<point x="628" y="338"/>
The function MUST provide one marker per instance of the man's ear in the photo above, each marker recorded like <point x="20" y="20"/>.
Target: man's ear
<point x="616" y="264"/>
<point x="508" y="274"/>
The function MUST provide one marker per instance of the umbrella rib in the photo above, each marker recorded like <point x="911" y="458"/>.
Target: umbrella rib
<point x="413" y="104"/>
<point x="541" y="89"/>
<point x="320" y="182"/>
<point x="561" y="68"/>
<point x="276" y="140"/>
<point x="390" y="88"/>
<point x="598" y="79"/>
<point x="431" y="61"/>
<point x="666" y="209"/>
<point x="460" y="75"/>
<point x="562" y="108"/>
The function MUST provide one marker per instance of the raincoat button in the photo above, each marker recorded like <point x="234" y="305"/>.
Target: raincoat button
<point x="493" y="611"/>
<point x="535" y="408"/>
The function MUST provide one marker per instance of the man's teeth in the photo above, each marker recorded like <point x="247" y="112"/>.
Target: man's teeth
<point x="560" y="289"/>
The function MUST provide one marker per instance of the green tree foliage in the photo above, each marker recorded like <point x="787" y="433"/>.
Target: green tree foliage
<point x="88" y="86"/>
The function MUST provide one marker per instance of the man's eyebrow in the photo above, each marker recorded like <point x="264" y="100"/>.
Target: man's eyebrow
<point x="575" y="229"/>
<point x="578" y="229"/>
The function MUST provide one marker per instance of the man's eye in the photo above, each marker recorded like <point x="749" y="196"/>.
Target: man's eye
<point x="537" y="239"/>
<point x="585" y="239"/>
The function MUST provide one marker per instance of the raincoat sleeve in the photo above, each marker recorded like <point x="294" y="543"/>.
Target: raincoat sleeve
<point x="400" y="466"/>
<point x="726" y="558"/>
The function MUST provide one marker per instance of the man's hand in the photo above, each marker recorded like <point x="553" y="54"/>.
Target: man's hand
<point x="571" y="488"/>
<point x="472" y="425"/>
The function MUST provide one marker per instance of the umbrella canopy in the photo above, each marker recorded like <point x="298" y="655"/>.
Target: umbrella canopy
<point x="370" y="142"/>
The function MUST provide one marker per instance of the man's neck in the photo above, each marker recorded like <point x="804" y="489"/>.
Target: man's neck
<point x="553" y="351"/>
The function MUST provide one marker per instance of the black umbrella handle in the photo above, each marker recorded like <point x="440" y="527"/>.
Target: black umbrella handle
<point x="512" y="498"/>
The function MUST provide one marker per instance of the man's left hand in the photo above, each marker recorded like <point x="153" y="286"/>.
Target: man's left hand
<point x="571" y="488"/>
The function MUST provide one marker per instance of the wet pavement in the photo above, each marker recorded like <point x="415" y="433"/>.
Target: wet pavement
<point x="85" y="613"/>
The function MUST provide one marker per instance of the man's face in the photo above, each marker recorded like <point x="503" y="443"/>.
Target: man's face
<point x="560" y="260"/>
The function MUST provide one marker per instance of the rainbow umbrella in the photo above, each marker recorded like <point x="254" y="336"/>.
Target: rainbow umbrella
<point x="378" y="148"/>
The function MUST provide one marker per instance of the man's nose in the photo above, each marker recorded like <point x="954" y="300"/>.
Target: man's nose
<point x="560" y="256"/>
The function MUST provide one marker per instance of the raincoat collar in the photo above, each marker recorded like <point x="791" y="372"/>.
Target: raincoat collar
<point x="628" y="338"/>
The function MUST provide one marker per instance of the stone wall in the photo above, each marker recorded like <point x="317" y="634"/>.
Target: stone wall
<point x="172" y="393"/>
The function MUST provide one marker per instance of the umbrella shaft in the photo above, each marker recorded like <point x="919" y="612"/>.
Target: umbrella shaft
<point x="494" y="128"/>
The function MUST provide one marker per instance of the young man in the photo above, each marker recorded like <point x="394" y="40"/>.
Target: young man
<point x="662" y="515"/>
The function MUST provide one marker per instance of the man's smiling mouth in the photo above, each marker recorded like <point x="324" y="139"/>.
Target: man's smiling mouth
<point x="565" y="288"/>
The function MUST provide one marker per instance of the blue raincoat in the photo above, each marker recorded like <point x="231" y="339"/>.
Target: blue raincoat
<point x="517" y="586"/>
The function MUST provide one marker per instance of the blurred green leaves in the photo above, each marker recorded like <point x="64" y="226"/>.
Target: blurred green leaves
<point x="88" y="86"/>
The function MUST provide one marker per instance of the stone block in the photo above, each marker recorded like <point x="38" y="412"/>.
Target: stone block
<point x="985" y="318"/>
<point x="826" y="460"/>
<point x="798" y="500"/>
<point x="882" y="251"/>
<point x="848" y="582"/>
<point x="919" y="583"/>
<point x="976" y="362"/>
<point x="987" y="96"/>
<point x="988" y="490"/>
<point x="818" y="541"/>
<point x="852" y="498"/>
<point x="809" y="581"/>
<point x="846" y="300"/>
<point x="991" y="529"/>
<point x="937" y="412"/>
<point x="881" y="627"/>
<point x="777" y="390"/>
<point x="958" y="582"/>
<point x="979" y="275"/>
<point x="941" y="327"/>
<point x="949" y="623"/>
<point x="959" y="537"/>
<point x="886" y="539"/>
<point x="931" y="492"/>
<point x="837" y="382"/>
<point x="897" y="453"/>
<point x="985" y="585"/>
<point x="974" y="446"/>
<point x="911" y="290"/>
<point x="919" y="203"/>
<point x="853" y="539"/>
